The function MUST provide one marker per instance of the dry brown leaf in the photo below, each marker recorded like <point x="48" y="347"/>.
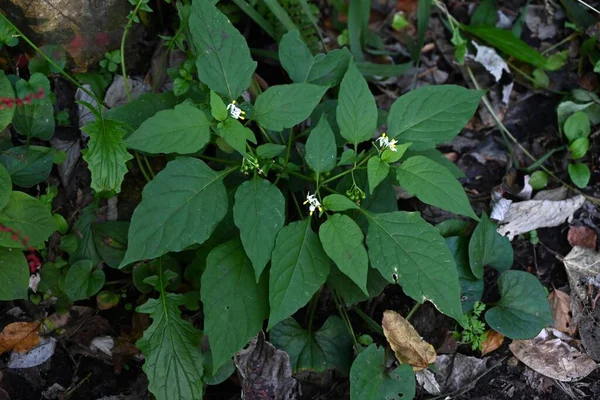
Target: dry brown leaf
<point x="492" y="342"/>
<point x="561" y="310"/>
<point x="581" y="264"/>
<point x="582" y="236"/>
<point x="406" y="342"/>
<point x="19" y="336"/>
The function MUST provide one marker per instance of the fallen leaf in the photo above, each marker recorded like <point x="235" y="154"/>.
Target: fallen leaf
<point x="560" y="303"/>
<point x="582" y="236"/>
<point x="408" y="346"/>
<point x="35" y="356"/>
<point x="589" y="330"/>
<point x="525" y="216"/>
<point x="495" y="65"/>
<point x="455" y="371"/>
<point x="553" y="357"/>
<point x="426" y="378"/>
<point x="582" y="265"/>
<point x="493" y="340"/>
<point x="19" y="336"/>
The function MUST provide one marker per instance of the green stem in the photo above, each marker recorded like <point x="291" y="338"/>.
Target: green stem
<point x="348" y="171"/>
<point x="141" y="166"/>
<point x="150" y="170"/>
<point x="312" y="307"/>
<point x="344" y="314"/>
<point x="372" y="324"/>
<point x="123" y="39"/>
<point x="297" y="206"/>
<point x="412" y="311"/>
<point x="215" y="159"/>
<point x="565" y="40"/>
<point x="266" y="135"/>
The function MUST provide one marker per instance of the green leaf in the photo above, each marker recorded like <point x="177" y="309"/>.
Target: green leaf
<point x="337" y="202"/>
<point x="139" y="110"/>
<point x="488" y="247"/>
<point x="224" y="62"/>
<point x="181" y="206"/>
<point x="182" y="130"/>
<point x="356" y="111"/>
<point x="523" y="310"/>
<point x="270" y="150"/>
<point x="110" y="240"/>
<point x="403" y="246"/>
<point x="30" y="217"/>
<point x="299" y="266"/>
<point x="391" y="157"/>
<point x="506" y="42"/>
<point x="438" y="157"/>
<point x="577" y="126"/>
<point x="350" y="292"/>
<point x="6" y="91"/>
<point x="235" y="306"/>
<point x="328" y="348"/>
<point x="343" y="242"/>
<point x="579" y="148"/>
<point x="142" y="271"/>
<point x="234" y="134"/>
<point x="283" y="106"/>
<point x="171" y="346"/>
<point x="538" y="180"/>
<point x="5" y="187"/>
<point x="369" y="379"/>
<point x="28" y="165"/>
<point x="485" y="13"/>
<point x="14" y="274"/>
<point x="453" y="227"/>
<point x="259" y="213"/>
<point x="433" y="184"/>
<point x="329" y="69"/>
<point x="82" y="230"/>
<point x="383" y="70"/>
<point x="580" y="174"/>
<point x="218" y="109"/>
<point x="39" y="64"/>
<point x="83" y="281"/>
<point x="320" y="148"/>
<point x="471" y="288"/>
<point x="431" y="115"/>
<point x="35" y="119"/>
<point x="107" y="154"/>
<point x="377" y="171"/>
<point x="359" y="12"/>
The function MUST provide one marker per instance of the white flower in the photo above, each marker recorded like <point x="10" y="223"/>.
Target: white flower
<point x="385" y="141"/>
<point x="313" y="203"/>
<point x="235" y="111"/>
<point x="34" y="282"/>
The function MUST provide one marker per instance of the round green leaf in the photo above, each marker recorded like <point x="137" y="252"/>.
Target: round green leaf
<point x="579" y="148"/>
<point x="370" y="381"/>
<point x="14" y="275"/>
<point x="35" y="119"/>
<point x="580" y="174"/>
<point x="5" y="186"/>
<point x="110" y="239"/>
<point x="538" y="180"/>
<point x="28" y="217"/>
<point x="577" y="126"/>
<point x="28" y="165"/>
<point x="83" y="280"/>
<point x="523" y="310"/>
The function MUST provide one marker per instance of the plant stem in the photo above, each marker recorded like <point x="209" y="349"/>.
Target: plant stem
<point x="372" y="324"/>
<point x="344" y="314"/>
<point x="312" y="307"/>
<point x="123" y="39"/>
<point x="215" y="159"/>
<point x="150" y="170"/>
<point x="266" y="135"/>
<point x="565" y="40"/>
<point x="412" y="311"/>
<point x="297" y="206"/>
<point x="141" y="166"/>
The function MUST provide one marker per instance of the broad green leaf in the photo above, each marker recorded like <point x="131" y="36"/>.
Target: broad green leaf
<point x="143" y="271"/>
<point x="14" y="275"/>
<point x="5" y="187"/>
<point x="218" y="109"/>
<point x="508" y="43"/>
<point x="171" y="346"/>
<point x="320" y="148"/>
<point x="523" y="310"/>
<point x="433" y="184"/>
<point x="580" y="174"/>
<point x="485" y="13"/>
<point x="359" y="12"/>
<point x="219" y="376"/>
<point x="283" y="106"/>
<point x="299" y="266"/>
<point x="356" y="112"/>
<point x="391" y="157"/>
<point x="337" y="202"/>
<point x="181" y="206"/>
<point x="224" y="62"/>
<point x="330" y="347"/>
<point x="352" y="294"/>
<point x="453" y="227"/>
<point x="431" y="115"/>
<point x="182" y="130"/>
<point x="259" y="213"/>
<point x="234" y="134"/>
<point x="107" y="154"/>
<point x="30" y="217"/>
<point x="82" y="230"/>
<point x="139" y="110"/>
<point x="329" y="69"/>
<point x="110" y="240"/>
<point x="6" y="91"/>
<point x="488" y="247"/>
<point x="56" y="53"/>
<point x="343" y="242"/>
<point x="406" y="249"/>
<point x="369" y="379"/>
<point x="235" y="306"/>
<point x="471" y="288"/>
<point x="28" y="165"/>
<point x="577" y="126"/>
<point x="377" y="171"/>
<point x="83" y="280"/>
<point x="35" y="119"/>
<point x="270" y="150"/>
<point x="438" y="157"/>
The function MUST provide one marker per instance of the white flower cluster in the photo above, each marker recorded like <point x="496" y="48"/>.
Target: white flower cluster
<point x="385" y="141"/>
<point x="235" y="111"/>
<point x="313" y="203"/>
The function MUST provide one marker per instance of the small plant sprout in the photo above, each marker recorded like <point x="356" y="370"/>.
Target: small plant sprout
<point x="313" y="203"/>
<point x="235" y="111"/>
<point x="385" y="142"/>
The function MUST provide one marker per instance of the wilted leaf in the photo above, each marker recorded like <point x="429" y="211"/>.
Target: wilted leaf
<point x="408" y="346"/>
<point x="581" y="264"/>
<point x="493" y="340"/>
<point x="19" y="336"/>
<point x="582" y="236"/>
<point x="561" y="310"/>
